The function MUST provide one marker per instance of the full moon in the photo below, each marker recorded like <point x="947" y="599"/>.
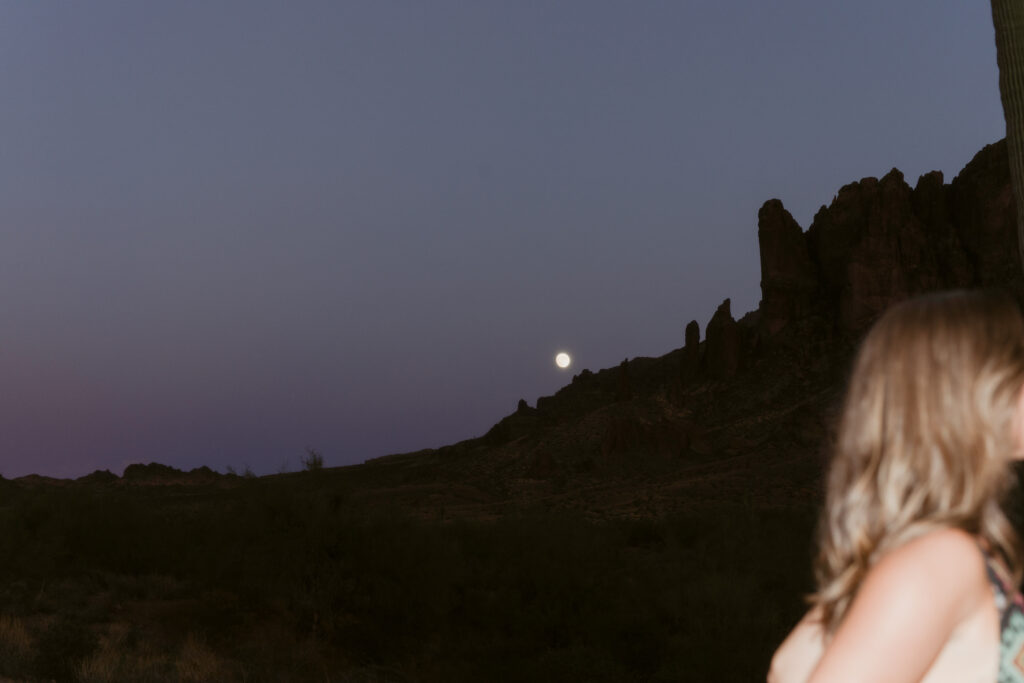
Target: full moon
<point x="562" y="360"/>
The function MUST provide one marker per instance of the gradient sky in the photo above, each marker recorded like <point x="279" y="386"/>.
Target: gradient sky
<point x="231" y="230"/>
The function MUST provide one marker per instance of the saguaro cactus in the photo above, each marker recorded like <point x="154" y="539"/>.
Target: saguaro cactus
<point x="1008" y="18"/>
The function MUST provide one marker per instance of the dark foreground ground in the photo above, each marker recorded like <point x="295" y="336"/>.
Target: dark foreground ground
<point x="291" y="579"/>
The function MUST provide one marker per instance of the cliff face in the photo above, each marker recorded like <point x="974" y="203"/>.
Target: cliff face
<point x="880" y="241"/>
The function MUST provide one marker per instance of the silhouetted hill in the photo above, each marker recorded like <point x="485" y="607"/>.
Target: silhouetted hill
<point x="742" y="415"/>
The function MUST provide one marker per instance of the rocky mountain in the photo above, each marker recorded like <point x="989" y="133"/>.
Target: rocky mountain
<point x="742" y="415"/>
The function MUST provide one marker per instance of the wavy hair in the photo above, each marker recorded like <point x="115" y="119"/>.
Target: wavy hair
<point x="926" y="437"/>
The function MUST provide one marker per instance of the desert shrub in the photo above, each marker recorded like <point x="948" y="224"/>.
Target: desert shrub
<point x="15" y="647"/>
<point x="61" y="647"/>
<point x="197" y="662"/>
<point x="120" y="657"/>
<point x="313" y="460"/>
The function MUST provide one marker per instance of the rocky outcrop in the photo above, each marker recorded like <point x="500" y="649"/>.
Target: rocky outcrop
<point x="624" y="385"/>
<point x="99" y="477"/>
<point x="723" y="344"/>
<point x="157" y="474"/>
<point x="982" y="212"/>
<point x="880" y="241"/>
<point x="521" y="422"/>
<point x="788" y="278"/>
<point x="691" y="352"/>
<point x="154" y="470"/>
<point x="872" y="249"/>
<point x="584" y="375"/>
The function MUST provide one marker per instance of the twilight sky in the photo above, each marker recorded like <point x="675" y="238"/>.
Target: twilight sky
<point x="231" y="230"/>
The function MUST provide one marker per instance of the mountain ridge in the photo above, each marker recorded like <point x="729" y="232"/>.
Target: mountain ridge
<point x="742" y="415"/>
<point x="745" y="414"/>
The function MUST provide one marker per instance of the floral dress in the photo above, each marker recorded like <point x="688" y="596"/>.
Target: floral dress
<point x="1011" y="623"/>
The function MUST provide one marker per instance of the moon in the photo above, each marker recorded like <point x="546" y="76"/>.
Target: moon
<point x="563" y="359"/>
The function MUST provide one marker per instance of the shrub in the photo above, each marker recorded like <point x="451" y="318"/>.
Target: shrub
<point x="61" y="647"/>
<point x="313" y="460"/>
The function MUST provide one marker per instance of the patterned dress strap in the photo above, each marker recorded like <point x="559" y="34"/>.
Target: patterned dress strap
<point x="1011" y="621"/>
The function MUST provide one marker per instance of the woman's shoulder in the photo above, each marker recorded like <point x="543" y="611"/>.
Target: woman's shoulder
<point x="945" y="562"/>
<point x="940" y="540"/>
<point x="905" y="611"/>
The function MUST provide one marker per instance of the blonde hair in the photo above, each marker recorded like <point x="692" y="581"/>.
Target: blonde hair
<point x="926" y="437"/>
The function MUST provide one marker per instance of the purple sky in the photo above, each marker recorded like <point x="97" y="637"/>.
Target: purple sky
<point x="229" y="230"/>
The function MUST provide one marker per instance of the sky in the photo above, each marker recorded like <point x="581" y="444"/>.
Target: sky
<point x="230" y="231"/>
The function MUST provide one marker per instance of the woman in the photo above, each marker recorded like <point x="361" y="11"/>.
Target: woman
<point x="918" y="565"/>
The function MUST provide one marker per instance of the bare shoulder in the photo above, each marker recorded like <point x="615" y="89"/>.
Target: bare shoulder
<point x="945" y="556"/>
<point x="944" y="540"/>
<point x="907" y="608"/>
<point x="941" y="572"/>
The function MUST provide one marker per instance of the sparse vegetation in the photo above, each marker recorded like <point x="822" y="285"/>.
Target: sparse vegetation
<point x="247" y="472"/>
<point x="313" y="460"/>
<point x="282" y="580"/>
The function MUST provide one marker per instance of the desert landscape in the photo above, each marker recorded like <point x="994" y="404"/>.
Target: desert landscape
<point x="651" y="521"/>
